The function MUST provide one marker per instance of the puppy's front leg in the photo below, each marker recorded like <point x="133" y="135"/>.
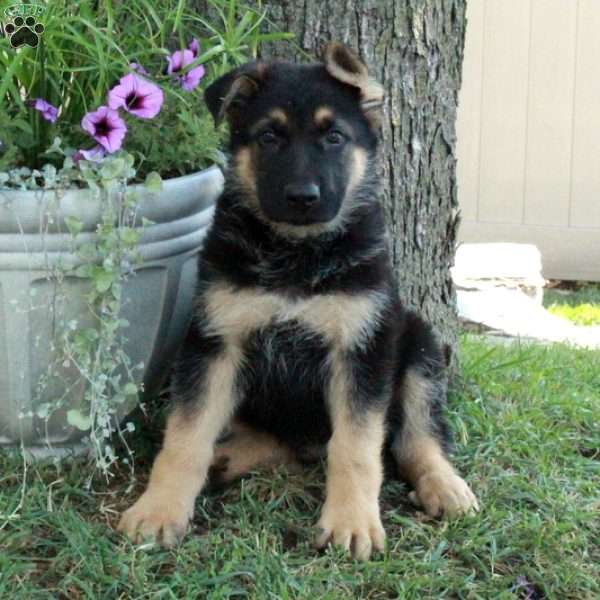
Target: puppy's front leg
<point x="350" y="517"/>
<point x="163" y="512"/>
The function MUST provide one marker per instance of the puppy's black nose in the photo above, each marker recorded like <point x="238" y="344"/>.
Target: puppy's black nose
<point x="302" y="195"/>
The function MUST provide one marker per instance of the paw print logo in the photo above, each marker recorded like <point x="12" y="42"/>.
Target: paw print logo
<point x="24" y="32"/>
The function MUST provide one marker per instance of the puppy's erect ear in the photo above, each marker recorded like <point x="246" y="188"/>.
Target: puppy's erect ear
<point x="343" y="64"/>
<point x="229" y="95"/>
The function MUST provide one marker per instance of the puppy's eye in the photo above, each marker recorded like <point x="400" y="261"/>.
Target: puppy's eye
<point x="335" y="138"/>
<point x="267" y="138"/>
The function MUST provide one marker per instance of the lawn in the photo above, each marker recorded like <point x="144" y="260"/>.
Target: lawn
<point x="579" y="303"/>
<point x="528" y="442"/>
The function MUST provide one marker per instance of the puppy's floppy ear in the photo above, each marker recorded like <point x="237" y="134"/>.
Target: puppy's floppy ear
<point x="343" y="64"/>
<point x="229" y="95"/>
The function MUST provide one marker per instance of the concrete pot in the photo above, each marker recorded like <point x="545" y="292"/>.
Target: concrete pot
<point x="157" y="301"/>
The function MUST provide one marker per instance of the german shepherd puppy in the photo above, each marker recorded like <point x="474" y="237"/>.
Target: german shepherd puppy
<point x="298" y="337"/>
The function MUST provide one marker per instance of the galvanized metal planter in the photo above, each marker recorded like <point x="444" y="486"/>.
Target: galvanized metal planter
<point x="156" y="301"/>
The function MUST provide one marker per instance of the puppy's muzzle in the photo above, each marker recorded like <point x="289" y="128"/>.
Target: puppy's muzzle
<point x="302" y="196"/>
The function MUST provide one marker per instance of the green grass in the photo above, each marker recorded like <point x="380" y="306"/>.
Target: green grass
<point x="528" y="438"/>
<point x="580" y="305"/>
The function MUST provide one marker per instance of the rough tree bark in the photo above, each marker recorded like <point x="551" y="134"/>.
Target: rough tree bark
<point x="415" y="48"/>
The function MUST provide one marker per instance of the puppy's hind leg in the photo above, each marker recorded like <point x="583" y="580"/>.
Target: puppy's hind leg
<point x="205" y="397"/>
<point x="421" y="435"/>
<point x="245" y="449"/>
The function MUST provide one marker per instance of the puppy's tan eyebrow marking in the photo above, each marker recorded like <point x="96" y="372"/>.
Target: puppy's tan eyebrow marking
<point x="325" y="119"/>
<point x="323" y="116"/>
<point x="277" y="115"/>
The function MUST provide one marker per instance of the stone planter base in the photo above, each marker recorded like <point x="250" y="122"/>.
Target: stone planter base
<point x="157" y="301"/>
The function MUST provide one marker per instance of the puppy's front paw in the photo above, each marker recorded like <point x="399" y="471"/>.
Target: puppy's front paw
<point x="444" y="493"/>
<point x="156" y="518"/>
<point x="356" y="527"/>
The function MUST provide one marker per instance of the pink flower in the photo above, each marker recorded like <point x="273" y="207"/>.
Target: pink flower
<point x="95" y="154"/>
<point x="177" y="62"/>
<point x="49" y="112"/>
<point x="137" y="96"/>
<point x="194" y="47"/>
<point x="106" y="127"/>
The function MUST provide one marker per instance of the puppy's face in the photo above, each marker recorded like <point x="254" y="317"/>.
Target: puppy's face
<point x="301" y="136"/>
<point x="305" y="155"/>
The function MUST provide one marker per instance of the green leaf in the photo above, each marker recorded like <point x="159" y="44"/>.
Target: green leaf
<point x="22" y="125"/>
<point x="84" y="271"/>
<point x="77" y="419"/>
<point x="43" y="410"/>
<point x="103" y="281"/>
<point x="74" y="225"/>
<point x="109" y="184"/>
<point x="130" y="236"/>
<point x="56" y="147"/>
<point x="112" y="168"/>
<point x="130" y="389"/>
<point x="153" y="182"/>
<point x="130" y="196"/>
<point x="129" y="159"/>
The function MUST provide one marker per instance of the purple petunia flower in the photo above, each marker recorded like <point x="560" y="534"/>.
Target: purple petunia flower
<point x="106" y="127"/>
<point x="49" y="112"/>
<point x="95" y="154"/>
<point x="137" y="96"/>
<point x="194" y="47"/>
<point x="177" y="62"/>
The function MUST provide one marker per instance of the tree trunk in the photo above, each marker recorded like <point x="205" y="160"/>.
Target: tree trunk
<point x="415" y="48"/>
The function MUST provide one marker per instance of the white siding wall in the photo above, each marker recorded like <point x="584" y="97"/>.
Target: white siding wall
<point x="529" y="130"/>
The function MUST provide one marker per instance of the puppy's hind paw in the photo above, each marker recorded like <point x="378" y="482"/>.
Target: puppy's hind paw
<point x="443" y="493"/>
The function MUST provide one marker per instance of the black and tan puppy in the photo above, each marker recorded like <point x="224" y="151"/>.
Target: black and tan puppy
<point x="298" y="336"/>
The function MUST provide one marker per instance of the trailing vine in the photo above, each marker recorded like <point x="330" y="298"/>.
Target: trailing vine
<point x="92" y="356"/>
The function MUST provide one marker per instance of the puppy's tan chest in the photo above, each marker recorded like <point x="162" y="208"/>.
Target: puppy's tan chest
<point x="344" y="320"/>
